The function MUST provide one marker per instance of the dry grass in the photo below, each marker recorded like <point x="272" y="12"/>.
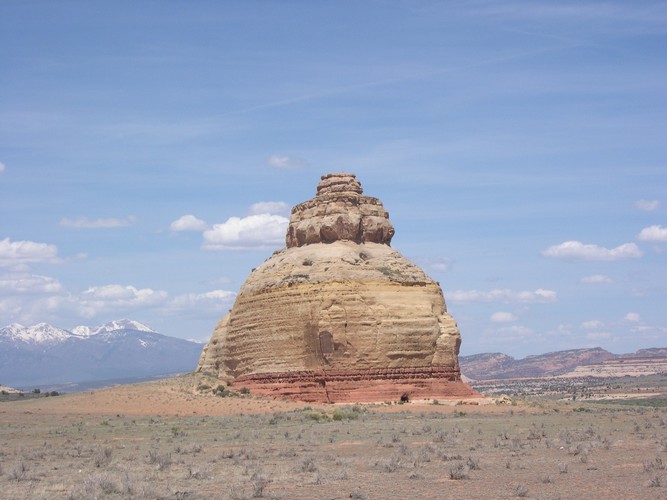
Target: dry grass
<point x="254" y="448"/>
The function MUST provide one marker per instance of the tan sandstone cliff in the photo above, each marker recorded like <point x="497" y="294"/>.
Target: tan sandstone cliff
<point x="338" y="315"/>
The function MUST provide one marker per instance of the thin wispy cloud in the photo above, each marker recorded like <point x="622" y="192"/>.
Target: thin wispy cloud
<point x="596" y="278"/>
<point x="593" y="324"/>
<point x="598" y="335"/>
<point x="607" y="15"/>
<point x="2" y="167"/>
<point x="439" y="265"/>
<point x="32" y="298"/>
<point x="647" y="205"/>
<point x="576" y="250"/>
<point x="29" y="284"/>
<point x="269" y="207"/>
<point x="213" y="302"/>
<point x="101" y="223"/>
<point x="285" y="162"/>
<point x="503" y="295"/>
<point x="407" y="76"/>
<point x="503" y="317"/>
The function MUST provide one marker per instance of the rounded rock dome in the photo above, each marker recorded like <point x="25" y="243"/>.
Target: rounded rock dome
<point x="338" y="315"/>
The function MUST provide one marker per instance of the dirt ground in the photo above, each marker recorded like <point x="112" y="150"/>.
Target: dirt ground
<point x="164" y="440"/>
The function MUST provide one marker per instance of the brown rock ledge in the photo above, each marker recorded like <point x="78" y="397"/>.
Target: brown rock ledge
<point x="361" y="386"/>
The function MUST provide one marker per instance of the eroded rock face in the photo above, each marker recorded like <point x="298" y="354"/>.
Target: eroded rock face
<point x="339" y="212"/>
<point x="339" y="315"/>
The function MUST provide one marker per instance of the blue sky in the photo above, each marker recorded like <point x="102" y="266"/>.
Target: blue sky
<point x="150" y="152"/>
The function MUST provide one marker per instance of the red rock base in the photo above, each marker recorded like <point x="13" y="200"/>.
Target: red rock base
<point x="359" y="386"/>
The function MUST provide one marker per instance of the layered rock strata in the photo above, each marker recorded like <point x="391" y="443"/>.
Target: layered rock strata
<point x="338" y="315"/>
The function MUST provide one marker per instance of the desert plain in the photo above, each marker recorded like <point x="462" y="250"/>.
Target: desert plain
<point x="177" y="438"/>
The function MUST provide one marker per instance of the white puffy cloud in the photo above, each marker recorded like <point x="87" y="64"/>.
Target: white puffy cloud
<point x="188" y="223"/>
<point x="653" y="233"/>
<point x="503" y="317"/>
<point x="647" y="205"/>
<point x="269" y="207"/>
<point x="86" y="223"/>
<point x="285" y="162"/>
<point x="503" y="295"/>
<point x="18" y="254"/>
<point x="593" y="324"/>
<point x="576" y="250"/>
<point x="2" y="167"/>
<point x="632" y="316"/>
<point x="254" y="231"/>
<point x="596" y="278"/>
<point x="29" y="284"/>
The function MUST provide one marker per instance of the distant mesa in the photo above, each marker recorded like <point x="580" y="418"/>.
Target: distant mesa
<point x="338" y="315"/>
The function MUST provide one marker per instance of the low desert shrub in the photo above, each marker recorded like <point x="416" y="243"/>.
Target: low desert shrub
<point x="19" y="471"/>
<point x="162" y="460"/>
<point x="259" y="482"/>
<point x="391" y="465"/>
<point x="308" y="465"/>
<point x="103" y="457"/>
<point x="458" y="471"/>
<point x="341" y="414"/>
<point x="99" y="483"/>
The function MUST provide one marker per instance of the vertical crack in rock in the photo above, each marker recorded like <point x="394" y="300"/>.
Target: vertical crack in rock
<point x="338" y="315"/>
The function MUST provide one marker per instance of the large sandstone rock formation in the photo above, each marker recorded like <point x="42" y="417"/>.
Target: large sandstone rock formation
<point x="338" y="315"/>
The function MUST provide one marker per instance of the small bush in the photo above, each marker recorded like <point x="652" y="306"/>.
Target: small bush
<point x="308" y="465"/>
<point x="259" y="482"/>
<point x="473" y="464"/>
<point x="103" y="457"/>
<point x="458" y="472"/>
<point x="19" y="472"/>
<point x="162" y="460"/>
<point x="315" y="415"/>
<point x="340" y="414"/>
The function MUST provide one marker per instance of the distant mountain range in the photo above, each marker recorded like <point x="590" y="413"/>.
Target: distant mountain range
<point x="44" y="355"/>
<point x="492" y="366"/>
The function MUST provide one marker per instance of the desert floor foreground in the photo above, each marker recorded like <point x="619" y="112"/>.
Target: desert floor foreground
<point x="163" y="440"/>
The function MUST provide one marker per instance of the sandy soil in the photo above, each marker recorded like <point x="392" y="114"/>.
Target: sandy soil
<point x="164" y="440"/>
<point x="178" y="397"/>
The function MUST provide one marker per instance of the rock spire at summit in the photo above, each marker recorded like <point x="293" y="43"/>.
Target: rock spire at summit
<point x="339" y="211"/>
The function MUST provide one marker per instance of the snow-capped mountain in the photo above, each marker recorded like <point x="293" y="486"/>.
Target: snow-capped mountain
<point x="46" y="355"/>
<point x="41" y="333"/>
<point x="112" y="326"/>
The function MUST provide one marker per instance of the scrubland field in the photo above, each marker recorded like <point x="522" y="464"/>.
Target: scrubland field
<point x="165" y="439"/>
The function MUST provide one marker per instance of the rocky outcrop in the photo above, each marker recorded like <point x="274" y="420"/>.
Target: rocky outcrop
<point x="339" y="315"/>
<point x="339" y="212"/>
